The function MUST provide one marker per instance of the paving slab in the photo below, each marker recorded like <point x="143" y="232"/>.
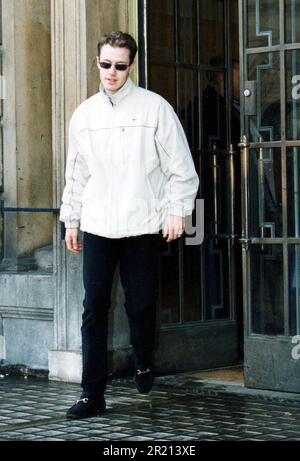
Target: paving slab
<point x="34" y="410"/>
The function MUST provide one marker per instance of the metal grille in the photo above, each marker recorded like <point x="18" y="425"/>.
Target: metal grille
<point x="188" y="59"/>
<point x="271" y="67"/>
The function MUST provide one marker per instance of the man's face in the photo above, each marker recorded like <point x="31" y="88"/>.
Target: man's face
<point x="112" y="79"/>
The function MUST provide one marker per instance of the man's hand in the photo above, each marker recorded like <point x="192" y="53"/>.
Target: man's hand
<point x="174" y="227"/>
<point x="73" y="244"/>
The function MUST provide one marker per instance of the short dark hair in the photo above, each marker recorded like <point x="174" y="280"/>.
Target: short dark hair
<point x="120" y="40"/>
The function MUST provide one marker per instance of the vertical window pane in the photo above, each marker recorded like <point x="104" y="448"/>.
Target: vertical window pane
<point x="161" y="30"/>
<point x="162" y="80"/>
<point x="265" y="70"/>
<point x="28" y="236"/>
<point x="188" y="49"/>
<point x="293" y="94"/>
<point x="266" y="194"/>
<point x="294" y="289"/>
<point x="212" y="30"/>
<point x="216" y="187"/>
<point x="292" y="21"/>
<point x="293" y="191"/>
<point x="263" y="23"/>
<point x="189" y="105"/>
<point x="217" y="279"/>
<point x="192" y="283"/>
<point x="214" y="110"/>
<point x="266" y="283"/>
<point x="224" y="183"/>
<point x="169" y="284"/>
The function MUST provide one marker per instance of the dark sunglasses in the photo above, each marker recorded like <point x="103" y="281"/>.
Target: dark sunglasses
<point x="107" y="65"/>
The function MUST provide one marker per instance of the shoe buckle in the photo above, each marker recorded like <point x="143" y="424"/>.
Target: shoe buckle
<point x="85" y="400"/>
<point x="140" y="372"/>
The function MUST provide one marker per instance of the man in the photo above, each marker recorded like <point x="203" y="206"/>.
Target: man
<point x="129" y="174"/>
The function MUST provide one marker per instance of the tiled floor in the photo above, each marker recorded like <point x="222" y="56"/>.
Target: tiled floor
<point x="35" y="410"/>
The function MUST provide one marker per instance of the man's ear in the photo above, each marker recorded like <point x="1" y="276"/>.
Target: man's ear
<point x="132" y="66"/>
<point x="98" y="62"/>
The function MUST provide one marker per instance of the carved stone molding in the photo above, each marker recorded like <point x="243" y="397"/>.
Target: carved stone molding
<point x="68" y="39"/>
<point x="26" y="312"/>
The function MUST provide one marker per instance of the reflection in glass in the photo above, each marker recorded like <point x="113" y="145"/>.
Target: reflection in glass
<point x="161" y="30"/>
<point x="294" y="289"/>
<point x="214" y="110"/>
<point x="264" y="68"/>
<point x="29" y="247"/>
<point x="292" y="21"/>
<point x="267" y="304"/>
<point x="293" y="191"/>
<point x="266" y="193"/>
<point x="263" y="23"/>
<point x="292" y="94"/>
<point x="212" y="30"/>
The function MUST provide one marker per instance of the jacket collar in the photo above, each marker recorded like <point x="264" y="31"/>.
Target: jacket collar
<point x="120" y="94"/>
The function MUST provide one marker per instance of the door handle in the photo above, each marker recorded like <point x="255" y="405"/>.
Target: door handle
<point x="245" y="243"/>
<point x="244" y="146"/>
<point x="232" y="191"/>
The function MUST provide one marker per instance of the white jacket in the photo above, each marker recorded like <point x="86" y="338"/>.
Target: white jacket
<point x="128" y="165"/>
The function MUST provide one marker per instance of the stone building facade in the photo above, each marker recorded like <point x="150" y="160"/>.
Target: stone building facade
<point x="48" y="61"/>
<point x="231" y="70"/>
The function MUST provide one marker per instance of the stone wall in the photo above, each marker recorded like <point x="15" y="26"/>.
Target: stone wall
<point x="103" y="16"/>
<point x="49" y="64"/>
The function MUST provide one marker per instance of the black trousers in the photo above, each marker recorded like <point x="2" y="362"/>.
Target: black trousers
<point x="138" y="258"/>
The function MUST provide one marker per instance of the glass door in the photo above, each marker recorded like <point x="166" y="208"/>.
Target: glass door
<point x="191" y="59"/>
<point x="270" y="106"/>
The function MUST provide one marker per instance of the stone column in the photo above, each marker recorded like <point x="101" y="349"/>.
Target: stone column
<point x="68" y="41"/>
<point x="76" y="27"/>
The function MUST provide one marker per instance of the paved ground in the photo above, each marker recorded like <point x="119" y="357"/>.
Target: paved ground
<point x="35" y="410"/>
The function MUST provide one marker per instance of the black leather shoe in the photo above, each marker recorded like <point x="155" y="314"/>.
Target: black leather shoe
<point x="85" y="408"/>
<point x="143" y="380"/>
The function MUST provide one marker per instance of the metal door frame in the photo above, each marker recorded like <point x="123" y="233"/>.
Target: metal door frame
<point x="201" y="332"/>
<point x="268" y="360"/>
